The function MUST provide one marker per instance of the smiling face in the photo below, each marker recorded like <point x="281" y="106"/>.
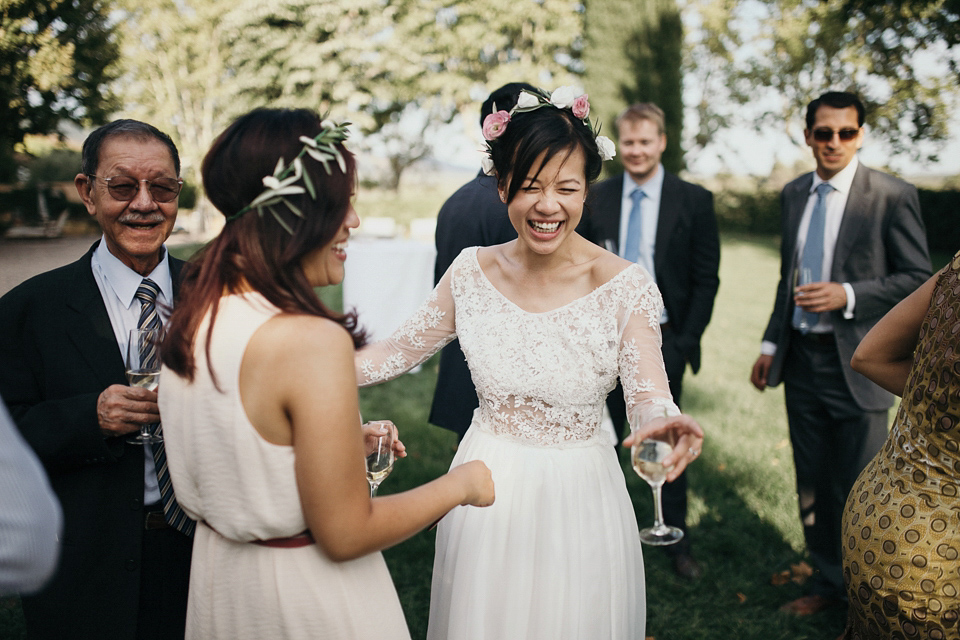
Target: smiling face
<point x="641" y="147"/>
<point x="136" y="229"/>
<point x="834" y="155"/>
<point x="548" y="207"/>
<point x="325" y="266"/>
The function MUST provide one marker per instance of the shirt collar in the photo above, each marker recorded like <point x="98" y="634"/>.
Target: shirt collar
<point x="125" y="281"/>
<point x="652" y="187"/>
<point x="842" y="182"/>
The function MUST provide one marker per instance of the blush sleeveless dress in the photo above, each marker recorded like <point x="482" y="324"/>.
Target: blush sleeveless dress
<point x="242" y="488"/>
<point x="557" y="556"/>
<point x="901" y="525"/>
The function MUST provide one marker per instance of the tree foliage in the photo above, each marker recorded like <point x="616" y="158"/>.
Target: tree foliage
<point x="57" y="60"/>
<point x="761" y="61"/>
<point x="634" y="55"/>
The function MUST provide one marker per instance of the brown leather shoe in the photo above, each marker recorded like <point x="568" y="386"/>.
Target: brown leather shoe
<point x="685" y="566"/>
<point x="809" y="605"/>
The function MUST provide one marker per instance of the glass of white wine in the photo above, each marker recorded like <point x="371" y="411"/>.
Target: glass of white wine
<point x="143" y="370"/>
<point x="647" y="460"/>
<point x="379" y="450"/>
<point x="802" y="276"/>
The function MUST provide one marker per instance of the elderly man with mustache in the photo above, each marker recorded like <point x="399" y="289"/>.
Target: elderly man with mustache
<point x="125" y="549"/>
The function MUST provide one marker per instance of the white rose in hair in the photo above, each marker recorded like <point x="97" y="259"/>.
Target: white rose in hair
<point x="607" y="148"/>
<point x="527" y="100"/>
<point x="564" y="97"/>
<point x="486" y="163"/>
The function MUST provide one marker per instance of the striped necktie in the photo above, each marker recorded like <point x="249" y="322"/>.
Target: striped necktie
<point x="149" y="319"/>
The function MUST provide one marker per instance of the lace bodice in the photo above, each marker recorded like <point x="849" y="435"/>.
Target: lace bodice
<point x="540" y="377"/>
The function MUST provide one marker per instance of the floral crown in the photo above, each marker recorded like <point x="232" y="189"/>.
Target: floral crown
<point x="323" y="149"/>
<point x="495" y="124"/>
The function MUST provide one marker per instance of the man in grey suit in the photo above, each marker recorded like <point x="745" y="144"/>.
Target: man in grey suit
<point x="859" y="231"/>
<point x="678" y="243"/>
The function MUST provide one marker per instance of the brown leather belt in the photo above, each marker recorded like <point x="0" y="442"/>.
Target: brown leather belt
<point x="304" y="539"/>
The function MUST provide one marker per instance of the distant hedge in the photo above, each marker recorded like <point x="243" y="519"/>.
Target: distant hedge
<point x="758" y="212"/>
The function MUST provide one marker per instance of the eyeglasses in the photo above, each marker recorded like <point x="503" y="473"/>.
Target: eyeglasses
<point x="826" y="135"/>
<point x="125" y="188"/>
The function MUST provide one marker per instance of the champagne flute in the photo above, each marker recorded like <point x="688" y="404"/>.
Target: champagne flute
<point x="379" y="450"/>
<point x="143" y="370"/>
<point x="802" y="276"/>
<point x="647" y="460"/>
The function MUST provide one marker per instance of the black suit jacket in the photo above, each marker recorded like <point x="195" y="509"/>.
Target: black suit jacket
<point x="686" y="252"/>
<point x="58" y="352"/>
<point x="881" y="251"/>
<point x="472" y="217"/>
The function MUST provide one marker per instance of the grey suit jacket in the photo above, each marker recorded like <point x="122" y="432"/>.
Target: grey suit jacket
<point x="881" y="251"/>
<point x="686" y="256"/>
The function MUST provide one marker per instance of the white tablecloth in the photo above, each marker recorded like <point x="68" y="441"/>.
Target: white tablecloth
<point x="386" y="281"/>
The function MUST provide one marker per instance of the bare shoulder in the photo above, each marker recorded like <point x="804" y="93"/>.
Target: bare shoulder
<point x="606" y="266"/>
<point x="296" y="337"/>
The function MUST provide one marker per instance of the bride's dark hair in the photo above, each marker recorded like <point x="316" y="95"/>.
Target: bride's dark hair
<point x="257" y="248"/>
<point x="530" y="133"/>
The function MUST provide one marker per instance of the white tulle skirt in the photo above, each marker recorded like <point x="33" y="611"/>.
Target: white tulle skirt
<point x="557" y="557"/>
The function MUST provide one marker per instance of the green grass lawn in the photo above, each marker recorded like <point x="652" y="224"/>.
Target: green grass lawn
<point x="743" y="517"/>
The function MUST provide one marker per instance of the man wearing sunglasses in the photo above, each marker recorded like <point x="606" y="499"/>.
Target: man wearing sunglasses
<point x="124" y="570"/>
<point x="853" y="245"/>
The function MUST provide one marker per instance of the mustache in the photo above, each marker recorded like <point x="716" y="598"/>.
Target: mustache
<point x="134" y="218"/>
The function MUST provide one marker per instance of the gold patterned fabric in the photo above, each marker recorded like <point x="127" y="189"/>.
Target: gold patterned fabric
<point x="901" y="525"/>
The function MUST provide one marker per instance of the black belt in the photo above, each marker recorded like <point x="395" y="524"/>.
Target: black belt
<point x="818" y="339"/>
<point x="154" y="519"/>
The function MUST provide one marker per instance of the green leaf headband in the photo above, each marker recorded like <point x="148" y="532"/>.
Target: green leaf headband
<point x="495" y="124"/>
<point x="323" y="149"/>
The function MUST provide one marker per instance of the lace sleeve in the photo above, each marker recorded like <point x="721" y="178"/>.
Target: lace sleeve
<point x="642" y="374"/>
<point x="424" y="333"/>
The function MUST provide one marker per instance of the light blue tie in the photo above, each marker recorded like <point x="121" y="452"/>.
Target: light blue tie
<point x="812" y="257"/>
<point x="149" y="319"/>
<point x="631" y="250"/>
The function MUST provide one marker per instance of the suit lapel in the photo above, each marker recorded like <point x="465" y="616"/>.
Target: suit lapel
<point x="855" y="214"/>
<point x="667" y="218"/>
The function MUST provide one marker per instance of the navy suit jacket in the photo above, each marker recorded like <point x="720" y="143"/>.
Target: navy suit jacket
<point x="686" y="252"/>
<point x="881" y="251"/>
<point x="473" y="216"/>
<point x="58" y="352"/>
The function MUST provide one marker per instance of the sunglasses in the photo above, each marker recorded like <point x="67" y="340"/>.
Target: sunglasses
<point x="826" y="135"/>
<point x="125" y="188"/>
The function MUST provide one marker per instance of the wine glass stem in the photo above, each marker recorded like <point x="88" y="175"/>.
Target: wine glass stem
<point x="373" y="489"/>
<point x="657" y="506"/>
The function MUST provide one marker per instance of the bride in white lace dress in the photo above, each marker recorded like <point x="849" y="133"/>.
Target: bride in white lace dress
<point x="547" y="323"/>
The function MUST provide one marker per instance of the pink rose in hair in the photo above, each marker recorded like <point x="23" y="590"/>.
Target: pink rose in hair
<point x="495" y="124"/>
<point x="581" y="107"/>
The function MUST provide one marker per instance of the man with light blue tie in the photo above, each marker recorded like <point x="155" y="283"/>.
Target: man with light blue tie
<point x="650" y="216"/>
<point x="859" y="233"/>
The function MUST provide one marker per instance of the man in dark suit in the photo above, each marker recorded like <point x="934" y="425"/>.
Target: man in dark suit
<point x="124" y="570"/>
<point x="473" y="216"/>
<point x="672" y="231"/>
<point x="859" y="231"/>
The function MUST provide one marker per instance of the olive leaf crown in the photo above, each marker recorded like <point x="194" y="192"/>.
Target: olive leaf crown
<point x="567" y="97"/>
<point x="283" y="182"/>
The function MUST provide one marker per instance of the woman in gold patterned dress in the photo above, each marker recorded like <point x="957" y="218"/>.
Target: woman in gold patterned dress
<point x="901" y="525"/>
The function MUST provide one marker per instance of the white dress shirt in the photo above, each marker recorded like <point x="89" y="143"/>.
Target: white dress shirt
<point x="118" y="286"/>
<point x="836" y="203"/>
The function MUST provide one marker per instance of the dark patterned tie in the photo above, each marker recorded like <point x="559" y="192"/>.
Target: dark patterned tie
<point x="149" y="319"/>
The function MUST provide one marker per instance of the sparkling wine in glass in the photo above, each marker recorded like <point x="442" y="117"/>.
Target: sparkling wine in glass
<point x="379" y="451"/>
<point x="802" y="276"/>
<point x="647" y="459"/>
<point x="143" y="370"/>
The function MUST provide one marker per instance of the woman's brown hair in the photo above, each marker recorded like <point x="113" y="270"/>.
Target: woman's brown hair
<point x="257" y="248"/>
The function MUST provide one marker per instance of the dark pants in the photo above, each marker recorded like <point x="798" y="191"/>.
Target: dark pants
<point x="833" y="440"/>
<point x="164" y="583"/>
<point x="674" y="494"/>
